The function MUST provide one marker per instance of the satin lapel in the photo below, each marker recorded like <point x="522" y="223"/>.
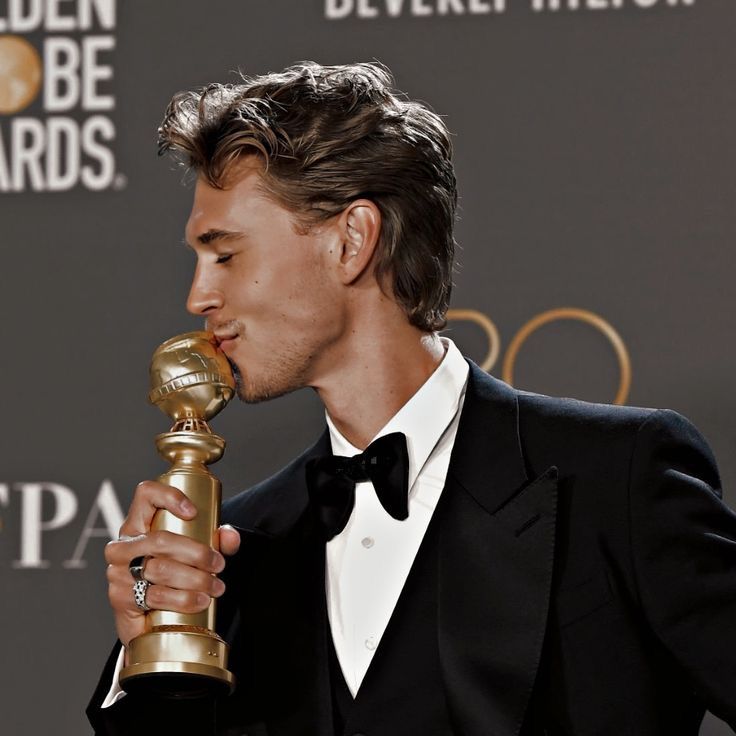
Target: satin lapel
<point x="496" y="555"/>
<point x="282" y="567"/>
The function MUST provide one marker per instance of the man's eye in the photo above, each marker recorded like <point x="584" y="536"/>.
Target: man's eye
<point x="224" y="258"/>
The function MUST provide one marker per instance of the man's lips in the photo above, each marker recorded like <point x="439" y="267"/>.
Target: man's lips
<point x="225" y="338"/>
<point x="227" y="342"/>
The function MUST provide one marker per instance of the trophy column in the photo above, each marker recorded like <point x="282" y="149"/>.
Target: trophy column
<point x="180" y="655"/>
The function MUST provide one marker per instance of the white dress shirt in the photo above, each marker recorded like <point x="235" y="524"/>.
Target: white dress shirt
<point x="369" y="561"/>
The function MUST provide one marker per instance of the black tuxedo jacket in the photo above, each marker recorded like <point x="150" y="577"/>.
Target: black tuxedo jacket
<point x="586" y="583"/>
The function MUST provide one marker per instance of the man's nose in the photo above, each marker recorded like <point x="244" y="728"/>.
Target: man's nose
<point x="204" y="297"/>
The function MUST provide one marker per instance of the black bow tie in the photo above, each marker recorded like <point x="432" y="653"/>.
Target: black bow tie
<point x="331" y="482"/>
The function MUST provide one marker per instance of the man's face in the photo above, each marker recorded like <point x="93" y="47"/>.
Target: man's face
<point x="268" y="292"/>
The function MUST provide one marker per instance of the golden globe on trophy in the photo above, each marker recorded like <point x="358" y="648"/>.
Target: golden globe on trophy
<point x="180" y="654"/>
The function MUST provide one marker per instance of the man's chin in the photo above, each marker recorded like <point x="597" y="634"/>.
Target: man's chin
<point x="258" y="394"/>
<point x="251" y="392"/>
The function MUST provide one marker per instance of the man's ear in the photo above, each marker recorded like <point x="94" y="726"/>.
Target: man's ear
<point x="360" y="230"/>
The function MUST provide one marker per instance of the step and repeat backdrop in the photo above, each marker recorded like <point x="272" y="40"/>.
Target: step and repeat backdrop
<point x="595" y="155"/>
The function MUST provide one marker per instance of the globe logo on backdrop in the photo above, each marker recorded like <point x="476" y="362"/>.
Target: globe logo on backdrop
<point x="57" y="96"/>
<point x="20" y="74"/>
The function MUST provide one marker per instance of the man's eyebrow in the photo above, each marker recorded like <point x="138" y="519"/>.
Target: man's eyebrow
<point x="213" y="235"/>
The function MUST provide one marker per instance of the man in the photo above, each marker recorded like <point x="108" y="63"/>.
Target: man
<point x="546" y="566"/>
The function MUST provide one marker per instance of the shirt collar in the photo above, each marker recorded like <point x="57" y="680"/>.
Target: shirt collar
<point x="424" y="418"/>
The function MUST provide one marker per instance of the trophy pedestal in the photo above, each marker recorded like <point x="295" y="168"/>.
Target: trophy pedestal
<point x="177" y="663"/>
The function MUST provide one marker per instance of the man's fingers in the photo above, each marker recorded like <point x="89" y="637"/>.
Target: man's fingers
<point x="181" y="601"/>
<point x="149" y="497"/>
<point x="173" y="574"/>
<point x="158" y="597"/>
<point x="165" y="544"/>
<point x="174" y="587"/>
<point x="229" y="540"/>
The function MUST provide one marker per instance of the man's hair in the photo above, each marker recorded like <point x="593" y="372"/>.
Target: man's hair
<point x="330" y="135"/>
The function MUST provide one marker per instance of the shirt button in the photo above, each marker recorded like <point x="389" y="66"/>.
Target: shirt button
<point x="370" y="643"/>
<point x="367" y="542"/>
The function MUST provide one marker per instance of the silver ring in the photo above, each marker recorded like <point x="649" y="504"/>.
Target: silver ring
<point x="140" y="588"/>
<point x="136" y="566"/>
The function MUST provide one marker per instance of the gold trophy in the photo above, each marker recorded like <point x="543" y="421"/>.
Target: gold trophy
<point x="180" y="654"/>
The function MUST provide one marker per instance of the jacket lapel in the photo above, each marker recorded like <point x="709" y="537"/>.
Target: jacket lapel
<point x="496" y="554"/>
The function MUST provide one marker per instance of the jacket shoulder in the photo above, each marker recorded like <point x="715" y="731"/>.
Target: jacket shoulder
<point x="581" y="433"/>
<point x="554" y="412"/>
<point x="577" y="435"/>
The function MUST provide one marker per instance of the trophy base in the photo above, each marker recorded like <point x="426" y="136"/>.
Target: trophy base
<point x="168" y="683"/>
<point x="177" y="664"/>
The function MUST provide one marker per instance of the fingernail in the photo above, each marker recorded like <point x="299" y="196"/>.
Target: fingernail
<point x="188" y="507"/>
<point x="218" y="587"/>
<point x="218" y="562"/>
<point x="203" y="599"/>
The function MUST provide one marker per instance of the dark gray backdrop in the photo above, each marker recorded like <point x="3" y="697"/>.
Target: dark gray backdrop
<point x="595" y="155"/>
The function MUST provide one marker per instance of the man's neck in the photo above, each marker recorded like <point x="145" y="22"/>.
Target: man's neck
<point x="375" y="378"/>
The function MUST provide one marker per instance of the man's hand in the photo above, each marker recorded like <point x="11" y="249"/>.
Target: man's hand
<point x="182" y="571"/>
